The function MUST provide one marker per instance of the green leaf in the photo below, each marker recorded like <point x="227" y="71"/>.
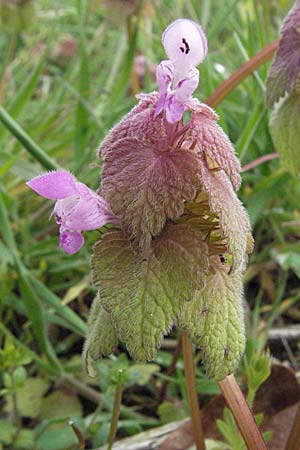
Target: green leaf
<point x="171" y="412"/>
<point x="27" y="89"/>
<point x="29" y="397"/>
<point x="285" y="131"/>
<point x="145" y="295"/>
<point x="20" y="134"/>
<point x="141" y="373"/>
<point x="25" y="439"/>
<point x="7" y="432"/>
<point x="57" y="438"/>
<point x="214" y="320"/>
<point x="287" y="260"/>
<point x="101" y="337"/>
<point x="60" y="405"/>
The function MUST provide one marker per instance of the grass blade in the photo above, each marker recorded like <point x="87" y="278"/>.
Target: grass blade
<point x="20" y="134"/>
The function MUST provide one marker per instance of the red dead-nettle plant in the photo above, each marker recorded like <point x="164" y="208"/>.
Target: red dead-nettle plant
<point x="180" y="252"/>
<point x="179" y="238"/>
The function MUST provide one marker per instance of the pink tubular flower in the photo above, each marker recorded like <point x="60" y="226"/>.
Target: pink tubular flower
<point x="77" y="207"/>
<point x="177" y="78"/>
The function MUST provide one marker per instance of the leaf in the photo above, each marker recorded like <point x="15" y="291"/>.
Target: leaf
<point x="215" y="145"/>
<point x="21" y="135"/>
<point x="141" y="373"/>
<point x="287" y="260"/>
<point x="221" y="217"/>
<point x="25" y="439"/>
<point x="57" y="438"/>
<point x="7" y="432"/>
<point x="285" y="70"/>
<point x="145" y="295"/>
<point x="171" y="412"/>
<point x="147" y="184"/>
<point x="285" y="131"/>
<point x="215" y="322"/>
<point x="29" y="397"/>
<point x="101" y="337"/>
<point x="60" y="405"/>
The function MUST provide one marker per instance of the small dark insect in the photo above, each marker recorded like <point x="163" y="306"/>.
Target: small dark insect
<point x="226" y="352"/>
<point x="222" y="259"/>
<point x="186" y="48"/>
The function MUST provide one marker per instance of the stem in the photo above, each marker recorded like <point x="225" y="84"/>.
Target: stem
<point x="77" y="432"/>
<point x="259" y="161"/>
<point x="28" y="143"/>
<point x="189" y="369"/>
<point x="81" y="388"/>
<point x="171" y="369"/>
<point x="241" y="73"/>
<point x="115" y="416"/>
<point x="293" y="441"/>
<point x="242" y="414"/>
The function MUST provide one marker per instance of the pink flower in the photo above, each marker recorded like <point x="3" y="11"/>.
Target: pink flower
<point x="77" y="207"/>
<point x="177" y="78"/>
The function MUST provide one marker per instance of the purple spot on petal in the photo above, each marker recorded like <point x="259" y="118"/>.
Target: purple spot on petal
<point x="71" y="241"/>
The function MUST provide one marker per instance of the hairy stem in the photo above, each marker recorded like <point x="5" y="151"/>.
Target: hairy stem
<point x="115" y="416"/>
<point x="293" y="441"/>
<point x="242" y="414"/>
<point x="241" y="73"/>
<point x="189" y="370"/>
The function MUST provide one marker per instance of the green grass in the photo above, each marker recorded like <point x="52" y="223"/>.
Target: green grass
<point x="56" y="116"/>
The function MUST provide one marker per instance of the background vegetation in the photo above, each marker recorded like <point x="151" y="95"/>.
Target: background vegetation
<point x="67" y="73"/>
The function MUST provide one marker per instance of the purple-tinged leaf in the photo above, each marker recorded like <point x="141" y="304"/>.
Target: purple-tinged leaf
<point x="285" y="70"/>
<point x="215" y="146"/>
<point x="148" y="183"/>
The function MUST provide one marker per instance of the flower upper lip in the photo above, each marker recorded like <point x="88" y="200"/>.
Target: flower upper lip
<point x="177" y="78"/>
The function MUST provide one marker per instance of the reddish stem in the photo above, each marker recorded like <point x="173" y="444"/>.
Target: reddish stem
<point x="259" y="161"/>
<point x="242" y="414"/>
<point x="241" y="73"/>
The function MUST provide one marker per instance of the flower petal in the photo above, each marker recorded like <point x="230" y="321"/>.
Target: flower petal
<point x="90" y="211"/>
<point x="187" y="86"/>
<point x="174" y="109"/>
<point x="54" y="185"/>
<point x="185" y="42"/>
<point x="71" y="241"/>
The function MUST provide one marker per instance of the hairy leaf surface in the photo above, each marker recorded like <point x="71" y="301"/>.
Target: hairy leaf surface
<point x="285" y="131"/>
<point x="215" y="322"/>
<point x="146" y="184"/>
<point x="101" y="338"/>
<point x="145" y="295"/>
<point x="215" y="146"/>
<point x="285" y="70"/>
